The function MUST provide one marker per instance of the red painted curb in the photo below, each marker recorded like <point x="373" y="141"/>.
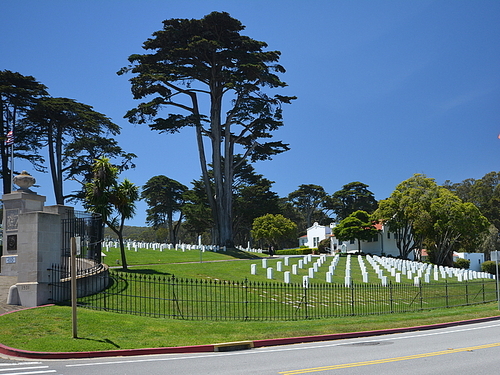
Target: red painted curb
<point x="210" y="348"/>
<point x="339" y="336"/>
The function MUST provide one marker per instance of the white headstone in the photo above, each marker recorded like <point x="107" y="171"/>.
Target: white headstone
<point x="253" y="269"/>
<point x="287" y="277"/>
<point x="270" y="273"/>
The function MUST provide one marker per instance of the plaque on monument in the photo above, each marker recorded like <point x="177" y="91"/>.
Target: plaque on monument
<point x="12" y="242"/>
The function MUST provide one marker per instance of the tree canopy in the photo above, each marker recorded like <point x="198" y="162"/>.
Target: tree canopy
<point x="421" y="213"/>
<point x="164" y="197"/>
<point x="272" y="229"/>
<point x="308" y="199"/>
<point x="75" y="135"/>
<point x="352" y="197"/>
<point x="357" y="226"/>
<point x="18" y="94"/>
<point x="191" y="58"/>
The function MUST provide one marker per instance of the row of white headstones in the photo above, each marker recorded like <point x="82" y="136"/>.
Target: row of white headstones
<point x="136" y="246"/>
<point x="397" y="268"/>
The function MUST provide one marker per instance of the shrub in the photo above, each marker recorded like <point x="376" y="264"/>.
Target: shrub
<point x="462" y="263"/>
<point x="324" y="246"/>
<point x="489" y="266"/>
<point x="300" y="251"/>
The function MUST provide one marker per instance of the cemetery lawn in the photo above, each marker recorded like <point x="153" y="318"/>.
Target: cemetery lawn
<point x="49" y="328"/>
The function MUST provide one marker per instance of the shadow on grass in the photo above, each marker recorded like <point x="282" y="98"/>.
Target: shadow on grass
<point x="236" y="253"/>
<point x="143" y="271"/>
<point x="105" y="341"/>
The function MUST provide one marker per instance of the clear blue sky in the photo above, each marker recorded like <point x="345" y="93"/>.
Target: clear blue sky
<point x="385" y="89"/>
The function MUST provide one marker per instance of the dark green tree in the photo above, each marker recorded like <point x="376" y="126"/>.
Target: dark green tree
<point x="352" y="197"/>
<point x="308" y="199"/>
<point x="357" y="226"/>
<point x="113" y="200"/>
<point x="483" y="193"/>
<point x="191" y="58"/>
<point x="18" y="93"/>
<point x="75" y="135"/>
<point x="197" y="212"/>
<point x="164" y="197"/>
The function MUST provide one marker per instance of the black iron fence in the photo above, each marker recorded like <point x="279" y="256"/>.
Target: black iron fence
<point x="87" y="228"/>
<point x="171" y="297"/>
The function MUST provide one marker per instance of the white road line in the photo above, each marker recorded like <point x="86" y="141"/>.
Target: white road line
<point x="389" y="337"/>
<point x="23" y="368"/>
<point x="30" y="372"/>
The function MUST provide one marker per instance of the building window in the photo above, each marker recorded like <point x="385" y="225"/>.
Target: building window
<point x="315" y="241"/>
<point x="389" y="235"/>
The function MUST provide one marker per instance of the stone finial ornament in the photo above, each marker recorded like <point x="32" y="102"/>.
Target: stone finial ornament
<point x="24" y="180"/>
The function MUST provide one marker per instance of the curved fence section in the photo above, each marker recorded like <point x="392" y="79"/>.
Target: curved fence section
<point x="193" y="299"/>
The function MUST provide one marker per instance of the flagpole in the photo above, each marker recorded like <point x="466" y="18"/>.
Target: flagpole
<point x="12" y="167"/>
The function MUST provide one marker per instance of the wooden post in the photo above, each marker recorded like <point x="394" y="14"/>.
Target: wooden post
<point x="73" y="287"/>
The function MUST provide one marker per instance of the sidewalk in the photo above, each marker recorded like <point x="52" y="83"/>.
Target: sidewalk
<point x="5" y="283"/>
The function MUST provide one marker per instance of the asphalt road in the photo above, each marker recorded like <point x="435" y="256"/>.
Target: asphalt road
<point x="468" y="349"/>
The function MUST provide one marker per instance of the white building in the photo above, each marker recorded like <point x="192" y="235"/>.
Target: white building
<point x="476" y="259"/>
<point x="382" y="244"/>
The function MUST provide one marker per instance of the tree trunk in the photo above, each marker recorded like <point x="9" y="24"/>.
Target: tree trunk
<point x="4" y="150"/>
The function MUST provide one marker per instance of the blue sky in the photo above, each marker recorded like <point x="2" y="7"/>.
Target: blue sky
<point x="385" y="89"/>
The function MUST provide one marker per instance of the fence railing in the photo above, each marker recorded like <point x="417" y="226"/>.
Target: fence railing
<point x="171" y="297"/>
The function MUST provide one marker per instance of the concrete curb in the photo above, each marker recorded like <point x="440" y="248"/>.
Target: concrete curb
<point x="216" y="347"/>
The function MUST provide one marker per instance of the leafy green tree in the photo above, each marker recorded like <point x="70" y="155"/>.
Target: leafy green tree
<point x="113" y="200"/>
<point x="75" y="135"/>
<point x="352" y="197"/>
<point x="190" y="58"/>
<point x="308" y="199"/>
<point x="484" y="193"/>
<point x="452" y="221"/>
<point x="18" y="93"/>
<point x="164" y="197"/>
<point x="406" y="212"/>
<point x="273" y="229"/>
<point x="357" y="226"/>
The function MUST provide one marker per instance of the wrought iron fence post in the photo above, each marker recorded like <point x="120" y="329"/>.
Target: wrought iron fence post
<point x="352" y="299"/>
<point x="245" y="285"/>
<point x="466" y="293"/>
<point x="421" y="296"/>
<point x="446" y="291"/>
<point x="391" y="297"/>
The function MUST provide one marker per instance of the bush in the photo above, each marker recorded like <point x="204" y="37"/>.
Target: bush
<point x="324" y="246"/>
<point x="300" y="251"/>
<point x="462" y="263"/>
<point x="489" y="266"/>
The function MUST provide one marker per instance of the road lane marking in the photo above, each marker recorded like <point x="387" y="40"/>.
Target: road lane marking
<point x="389" y="360"/>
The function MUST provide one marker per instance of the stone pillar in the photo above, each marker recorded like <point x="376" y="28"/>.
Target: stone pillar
<point x="40" y="247"/>
<point x="15" y="204"/>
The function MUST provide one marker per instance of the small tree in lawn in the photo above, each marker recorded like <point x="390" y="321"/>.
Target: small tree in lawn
<point x="273" y="228"/>
<point x="114" y="200"/>
<point x="356" y="226"/>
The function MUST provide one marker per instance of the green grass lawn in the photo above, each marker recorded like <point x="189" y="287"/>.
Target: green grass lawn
<point x="49" y="328"/>
<point x="187" y="265"/>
